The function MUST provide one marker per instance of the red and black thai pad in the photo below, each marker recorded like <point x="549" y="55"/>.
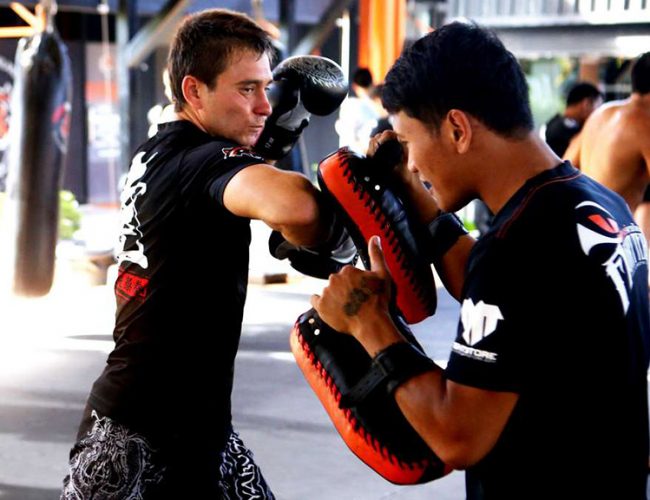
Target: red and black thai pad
<point x="369" y="206"/>
<point x="375" y="429"/>
<point x="372" y="424"/>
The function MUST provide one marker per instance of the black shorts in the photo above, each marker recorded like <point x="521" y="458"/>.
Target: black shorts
<point x="110" y="462"/>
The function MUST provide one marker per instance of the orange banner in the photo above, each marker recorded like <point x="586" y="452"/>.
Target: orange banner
<point x="382" y="26"/>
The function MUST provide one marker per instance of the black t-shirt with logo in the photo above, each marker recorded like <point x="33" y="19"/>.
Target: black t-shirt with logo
<point x="555" y="308"/>
<point x="559" y="132"/>
<point x="180" y="290"/>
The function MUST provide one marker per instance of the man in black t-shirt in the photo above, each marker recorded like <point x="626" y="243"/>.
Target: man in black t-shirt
<point x="581" y="101"/>
<point x="545" y="392"/>
<point x="158" y="419"/>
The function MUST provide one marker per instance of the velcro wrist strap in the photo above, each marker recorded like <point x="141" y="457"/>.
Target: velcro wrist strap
<point x="443" y="232"/>
<point x="390" y="368"/>
<point x="276" y="142"/>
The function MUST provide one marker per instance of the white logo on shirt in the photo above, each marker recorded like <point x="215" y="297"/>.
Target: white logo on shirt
<point x="624" y="249"/>
<point x="129" y="214"/>
<point x="472" y="352"/>
<point x="478" y="320"/>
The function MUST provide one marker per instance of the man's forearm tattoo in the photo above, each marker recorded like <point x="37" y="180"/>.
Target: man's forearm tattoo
<point x="369" y="287"/>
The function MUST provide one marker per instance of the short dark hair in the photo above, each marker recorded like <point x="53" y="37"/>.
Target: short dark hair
<point x="641" y="74"/>
<point x="204" y="44"/>
<point x="460" y="66"/>
<point x="581" y="91"/>
<point x="376" y="91"/>
<point x="362" y="77"/>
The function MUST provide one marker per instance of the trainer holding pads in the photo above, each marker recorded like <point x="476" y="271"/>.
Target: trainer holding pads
<point x="545" y="391"/>
<point x="158" y="419"/>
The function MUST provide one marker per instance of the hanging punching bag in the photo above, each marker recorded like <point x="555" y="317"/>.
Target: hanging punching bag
<point x="38" y="135"/>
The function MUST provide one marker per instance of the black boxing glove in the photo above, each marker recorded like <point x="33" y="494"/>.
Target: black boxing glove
<point x="337" y="251"/>
<point x="302" y="86"/>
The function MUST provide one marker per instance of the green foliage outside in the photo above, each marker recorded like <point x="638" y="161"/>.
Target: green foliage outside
<point x="548" y="81"/>
<point x="469" y="225"/>
<point x="69" y="214"/>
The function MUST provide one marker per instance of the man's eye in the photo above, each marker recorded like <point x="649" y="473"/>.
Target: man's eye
<point x="248" y="90"/>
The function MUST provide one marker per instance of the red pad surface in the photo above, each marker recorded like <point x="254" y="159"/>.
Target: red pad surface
<point x="373" y="213"/>
<point x="409" y="465"/>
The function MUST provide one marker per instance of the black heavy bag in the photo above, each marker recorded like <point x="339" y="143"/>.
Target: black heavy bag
<point x="40" y="108"/>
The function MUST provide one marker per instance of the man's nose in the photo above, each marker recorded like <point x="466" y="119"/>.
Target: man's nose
<point x="410" y="165"/>
<point x="263" y="106"/>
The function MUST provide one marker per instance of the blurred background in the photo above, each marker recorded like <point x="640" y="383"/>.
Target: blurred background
<point x="118" y="51"/>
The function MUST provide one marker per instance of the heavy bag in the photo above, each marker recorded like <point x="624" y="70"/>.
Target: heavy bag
<point x="38" y="131"/>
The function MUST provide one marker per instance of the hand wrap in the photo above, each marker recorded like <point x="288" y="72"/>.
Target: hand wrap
<point x="443" y="233"/>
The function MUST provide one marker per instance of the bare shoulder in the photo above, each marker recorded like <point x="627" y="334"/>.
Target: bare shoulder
<point x="607" y="110"/>
<point x="629" y="117"/>
<point x="639" y="113"/>
<point x="612" y="106"/>
<point x="602" y="116"/>
<point x="635" y="119"/>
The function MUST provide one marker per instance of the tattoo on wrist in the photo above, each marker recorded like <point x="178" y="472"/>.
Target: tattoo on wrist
<point x="369" y="287"/>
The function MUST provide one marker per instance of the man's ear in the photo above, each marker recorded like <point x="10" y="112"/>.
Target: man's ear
<point x="460" y="128"/>
<point x="192" y="87"/>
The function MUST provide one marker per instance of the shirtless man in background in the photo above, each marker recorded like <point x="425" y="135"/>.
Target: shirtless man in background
<point x="614" y="145"/>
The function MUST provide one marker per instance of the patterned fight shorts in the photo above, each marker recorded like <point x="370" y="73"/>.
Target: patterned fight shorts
<point x="110" y="462"/>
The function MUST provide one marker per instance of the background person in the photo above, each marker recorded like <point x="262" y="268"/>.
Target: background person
<point x="383" y="118"/>
<point x="358" y="114"/>
<point x="163" y="111"/>
<point x="583" y="98"/>
<point x="614" y="146"/>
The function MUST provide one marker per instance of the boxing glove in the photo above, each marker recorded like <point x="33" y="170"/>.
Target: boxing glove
<point x="302" y="86"/>
<point x="320" y="261"/>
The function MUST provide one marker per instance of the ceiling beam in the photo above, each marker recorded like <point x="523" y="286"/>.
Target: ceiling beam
<point x="321" y="30"/>
<point x="158" y="31"/>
